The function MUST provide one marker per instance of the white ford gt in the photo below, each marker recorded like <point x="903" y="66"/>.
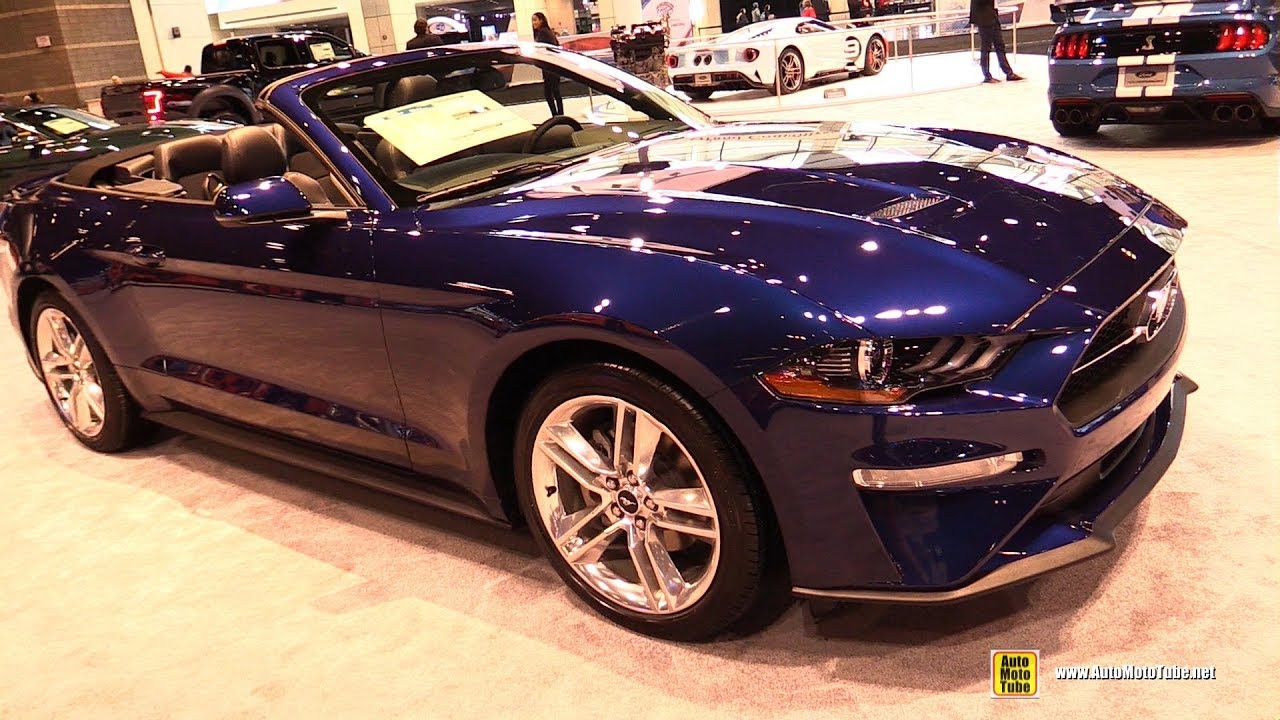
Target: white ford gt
<point x="780" y="55"/>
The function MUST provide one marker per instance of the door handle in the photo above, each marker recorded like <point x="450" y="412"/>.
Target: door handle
<point x="148" y="255"/>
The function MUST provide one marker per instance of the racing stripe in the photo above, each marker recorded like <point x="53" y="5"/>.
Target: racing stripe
<point x="1172" y="14"/>
<point x="1142" y="15"/>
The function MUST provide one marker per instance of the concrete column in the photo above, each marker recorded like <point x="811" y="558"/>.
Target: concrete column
<point x="145" y="29"/>
<point x="619" y="12"/>
<point x="191" y="21"/>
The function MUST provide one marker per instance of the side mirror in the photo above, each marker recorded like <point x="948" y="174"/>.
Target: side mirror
<point x="269" y="200"/>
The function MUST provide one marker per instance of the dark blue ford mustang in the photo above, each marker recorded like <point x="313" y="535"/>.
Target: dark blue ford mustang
<point x="711" y="365"/>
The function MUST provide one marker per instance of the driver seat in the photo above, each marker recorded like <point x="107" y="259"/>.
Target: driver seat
<point x="253" y="153"/>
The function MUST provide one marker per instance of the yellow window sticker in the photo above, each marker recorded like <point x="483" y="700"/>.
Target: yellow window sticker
<point x="441" y="126"/>
<point x="322" y="51"/>
<point x="64" y="125"/>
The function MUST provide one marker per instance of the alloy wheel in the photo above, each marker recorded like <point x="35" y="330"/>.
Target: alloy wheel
<point x="876" y="56"/>
<point x="70" y="373"/>
<point x="625" y="505"/>
<point x="792" y="71"/>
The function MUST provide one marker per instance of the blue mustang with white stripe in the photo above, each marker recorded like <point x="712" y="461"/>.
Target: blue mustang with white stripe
<point x="1161" y="62"/>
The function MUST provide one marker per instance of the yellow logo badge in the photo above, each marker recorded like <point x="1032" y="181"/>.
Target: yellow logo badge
<point x="1015" y="673"/>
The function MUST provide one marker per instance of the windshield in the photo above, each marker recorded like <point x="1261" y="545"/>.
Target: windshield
<point x="59" y="121"/>
<point x="478" y="121"/>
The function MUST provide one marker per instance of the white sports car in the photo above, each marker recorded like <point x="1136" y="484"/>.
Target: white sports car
<point x="781" y="55"/>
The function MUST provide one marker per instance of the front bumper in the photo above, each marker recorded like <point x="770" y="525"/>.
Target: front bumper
<point x="1077" y="532"/>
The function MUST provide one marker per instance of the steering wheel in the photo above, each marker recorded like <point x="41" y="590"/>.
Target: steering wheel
<point x="545" y="127"/>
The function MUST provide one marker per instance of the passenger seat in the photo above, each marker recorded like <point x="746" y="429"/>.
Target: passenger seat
<point x="405" y="91"/>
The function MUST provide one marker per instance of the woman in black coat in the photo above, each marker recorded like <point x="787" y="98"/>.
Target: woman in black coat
<point x="550" y="81"/>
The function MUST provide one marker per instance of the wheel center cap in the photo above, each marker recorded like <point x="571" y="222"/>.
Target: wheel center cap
<point x="628" y="502"/>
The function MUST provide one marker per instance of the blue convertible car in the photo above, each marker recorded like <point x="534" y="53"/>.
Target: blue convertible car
<point x="1161" y="62"/>
<point x="712" y="366"/>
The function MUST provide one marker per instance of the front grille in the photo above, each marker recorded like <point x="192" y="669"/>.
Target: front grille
<point x="1181" y="39"/>
<point x="1118" y="360"/>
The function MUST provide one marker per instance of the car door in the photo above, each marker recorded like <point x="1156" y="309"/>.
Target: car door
<point x="824" y="48"/>
<point x="273" y="325"/>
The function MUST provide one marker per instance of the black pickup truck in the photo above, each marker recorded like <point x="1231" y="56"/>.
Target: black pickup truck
<point x="232" y="72"/>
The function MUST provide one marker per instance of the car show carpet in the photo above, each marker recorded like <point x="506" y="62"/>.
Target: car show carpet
<point x="187" y="580"/>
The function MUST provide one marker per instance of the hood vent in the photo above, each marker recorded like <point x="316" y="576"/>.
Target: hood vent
<point x="901" y="208"/>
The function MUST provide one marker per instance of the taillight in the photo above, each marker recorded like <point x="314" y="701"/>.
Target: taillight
<point x="750" y="55"/>
<point x="1074" y="46"/>
<point x="672" y="61"/>
<point x="1242" y="36"/>
<point x="153" y="101"/>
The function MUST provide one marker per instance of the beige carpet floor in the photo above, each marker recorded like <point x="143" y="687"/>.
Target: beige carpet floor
<point x="190" y="581"/>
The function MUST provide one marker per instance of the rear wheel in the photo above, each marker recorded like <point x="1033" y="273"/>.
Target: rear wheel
<point x="877" y="56"/>
<point x="644" y="508"/>
<point x="790" y="71"/>
<point x="82" y="383"/>
<point x="226" y="113"/>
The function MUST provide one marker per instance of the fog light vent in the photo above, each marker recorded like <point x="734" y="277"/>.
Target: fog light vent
<point x="938" y="475"/>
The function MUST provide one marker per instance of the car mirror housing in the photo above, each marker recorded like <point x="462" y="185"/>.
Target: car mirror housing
<point x="269" y="200"/>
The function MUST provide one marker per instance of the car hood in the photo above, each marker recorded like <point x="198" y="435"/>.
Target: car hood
<point x="844" y="214"/>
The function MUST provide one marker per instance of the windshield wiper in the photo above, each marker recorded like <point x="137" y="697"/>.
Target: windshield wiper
<point x="497" y="177"/>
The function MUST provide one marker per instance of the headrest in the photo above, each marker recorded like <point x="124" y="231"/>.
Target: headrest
<point x="250" y="153"/>
<point x="189" y="156"/>
<point x="411" y="89"/>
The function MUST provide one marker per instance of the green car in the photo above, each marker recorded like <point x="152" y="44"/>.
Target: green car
<point x="44" y="140"/>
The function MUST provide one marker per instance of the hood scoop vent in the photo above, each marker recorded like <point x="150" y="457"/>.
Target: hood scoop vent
<point x="902" y="208"/>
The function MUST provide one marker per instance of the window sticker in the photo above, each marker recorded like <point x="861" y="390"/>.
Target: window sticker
<point x="322" y="51"/>
<point x="65" y="125"/>
<point x="441" y="126"/>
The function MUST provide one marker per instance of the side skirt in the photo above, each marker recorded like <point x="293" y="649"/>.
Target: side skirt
<point x="377" y="476"/>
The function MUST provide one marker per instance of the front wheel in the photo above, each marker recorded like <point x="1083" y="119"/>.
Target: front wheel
<point x="790" y="71"/>
<point x="82" y="383"/>
<point x="645" y="509"/>
<point x="877" y="56"/>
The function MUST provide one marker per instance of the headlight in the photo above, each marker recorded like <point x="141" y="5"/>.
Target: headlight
<point x="883" y="371"/>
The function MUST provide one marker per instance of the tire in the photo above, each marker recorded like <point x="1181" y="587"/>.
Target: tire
<point x="1271" y="126"/>
<point x="111" y="425"/>
<point x="790" y="71"/>
<point x="878" y="51"/>
<point x="224" y="113"/>
<point x="698" y="94"/>
<point x="730" y="567"/>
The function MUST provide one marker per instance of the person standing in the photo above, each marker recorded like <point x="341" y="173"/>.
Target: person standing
<point x="550" y="81"/>
<point x="824" y="10"/>
<point x="741" y="20"/>
<point x="806" y="9"/>
<point x="422" y="37"/>
<point x="983" y="15"/>
<point x="755" y="12"/>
